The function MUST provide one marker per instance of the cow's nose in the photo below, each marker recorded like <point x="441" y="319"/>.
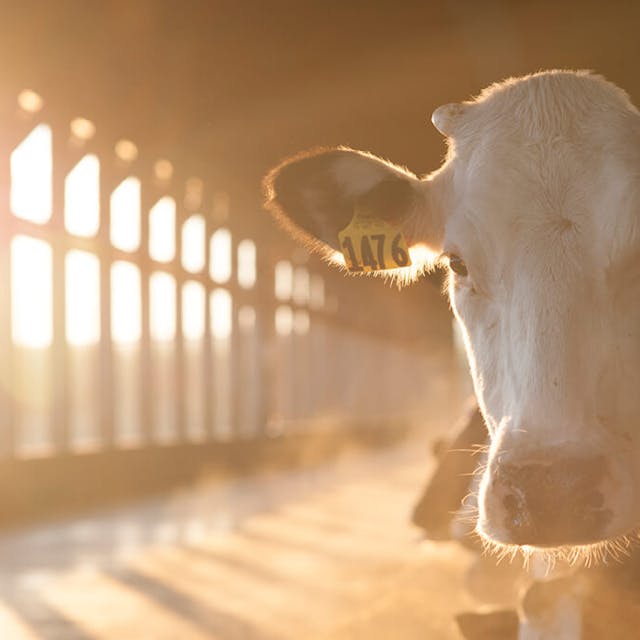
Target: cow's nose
<point x="560" y="503"/>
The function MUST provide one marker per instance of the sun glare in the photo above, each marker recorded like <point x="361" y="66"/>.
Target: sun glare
<point x="162" y="300"/>
<point x="246" y="264"/>
<point x="423" y="260"/>
<point x="283" y="280"/>
<point x="284" y="320"/>
<point x="336" y="258"/>
<point x="193" y="308"/>
<point x="220" y="256"/>
<point x="82" y="129"/>
<point x="30" y="101"/>
<point x="31" y="292"/>
<point x="162" y="230"/>
<point x="126" y="150"/>
<point x="31" y="176"/>
<point x="301" y="322"/>
<point x="82" y="304"/>
<point x="163" y="170"/>
<point x="125" y="215"/>
<point x="221" y="314"/>
<point x="82" y="198"/>
<point x="125" y="302"/>
<point x="193" y="244"/>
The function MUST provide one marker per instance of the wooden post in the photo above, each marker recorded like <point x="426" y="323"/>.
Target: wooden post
<point x="59" y="370"/>
<point x="108" y="182"/>
<point x="7" y="420"/>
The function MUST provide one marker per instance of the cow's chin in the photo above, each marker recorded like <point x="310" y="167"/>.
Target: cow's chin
<point x="616" y="548"/>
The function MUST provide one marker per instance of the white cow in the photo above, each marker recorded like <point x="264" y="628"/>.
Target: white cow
<point x="536" y="211"/>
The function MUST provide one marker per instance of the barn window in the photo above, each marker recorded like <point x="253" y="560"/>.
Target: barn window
<point x="31" y="292"/>
<point x="220" y="256"/>
<point x="125" y="302"/>
<point x="162" y="230"/>
<point x="125" y="215"/>
<point x="246" y="264"/>
<point x="283" y="280"/>
<point x="301" y="322"/>
<point x="284" y="320"/>
<point x="193" y="301"/>
<point x="162" y="301"/>
<point x="221" y="314"/>
<point x="82" y="198"/>
<point x="31" y="176"/>
<point x="82" y="304"/>
<point x="193" y="244"/>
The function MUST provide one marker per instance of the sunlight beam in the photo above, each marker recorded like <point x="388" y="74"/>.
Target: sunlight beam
<point x="31" y="292"/>
<point x="31" y="176"/>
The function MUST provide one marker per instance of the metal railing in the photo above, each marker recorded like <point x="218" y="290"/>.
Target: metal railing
<point x="136" y="314"/>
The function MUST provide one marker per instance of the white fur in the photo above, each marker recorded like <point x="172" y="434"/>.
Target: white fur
<point x="541" y="192"/>
<point x="540" y="196"/>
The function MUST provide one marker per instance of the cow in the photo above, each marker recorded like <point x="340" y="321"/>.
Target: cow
<point x="535" y="213"/>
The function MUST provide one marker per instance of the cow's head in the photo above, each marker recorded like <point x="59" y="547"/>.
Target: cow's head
<point x="536" y="211"/>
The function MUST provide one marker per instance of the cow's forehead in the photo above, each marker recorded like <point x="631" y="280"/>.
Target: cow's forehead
<point x="549" y="154"/>
<point x="544" y="104"/>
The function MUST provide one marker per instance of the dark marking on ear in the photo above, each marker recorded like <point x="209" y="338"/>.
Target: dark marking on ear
<point x="313" y="204"/>
<point x="305" y="197"/>
<point x="389" y="200"/>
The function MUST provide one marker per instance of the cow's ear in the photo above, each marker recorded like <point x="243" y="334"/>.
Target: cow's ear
<point x="316" y="194"/>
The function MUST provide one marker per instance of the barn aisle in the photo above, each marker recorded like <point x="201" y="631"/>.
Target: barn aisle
<point x="323" y="554"/>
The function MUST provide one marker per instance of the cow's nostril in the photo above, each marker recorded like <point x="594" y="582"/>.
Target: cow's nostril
<point x="552" y="504"/>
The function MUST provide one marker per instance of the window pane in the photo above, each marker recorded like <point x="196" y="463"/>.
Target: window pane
<point x="301" y="322"/>
<point x="31" y="292"/>
<point x="283" y="280"/>
<point x="82" y="287"/>
<point x="82" y="198"/>
<point x="284" y="320"/>
<point x="125" y="302"/>
<point x="162" y="230"/>
<point x="193" y="244"/>
<point x="246" y="264"/>
<point x="220" y="256"/>
<point x="125" y="215"/>
<point x="162" y="300"/>
<point x="193" y="300"/>
<point x="221" y="314"/>
<point x="221" y="328"/>
<point x="82" y="311"/>
<point x="193" y="328"/>
<point x="31" y="176"/>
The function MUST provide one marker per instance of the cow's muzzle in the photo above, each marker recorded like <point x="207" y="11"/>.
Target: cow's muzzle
<point x="540" y="504"/>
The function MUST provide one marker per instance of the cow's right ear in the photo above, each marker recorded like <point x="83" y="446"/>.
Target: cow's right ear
<point x="315" y="195"/>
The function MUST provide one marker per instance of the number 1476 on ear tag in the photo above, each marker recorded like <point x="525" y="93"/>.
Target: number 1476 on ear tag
<point x="369" y="244"/>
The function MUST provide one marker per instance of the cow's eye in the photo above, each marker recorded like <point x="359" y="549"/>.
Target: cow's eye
<point x="457" y="265"/>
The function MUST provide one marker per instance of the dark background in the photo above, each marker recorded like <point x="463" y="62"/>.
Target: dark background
<point x="227" y="89"/>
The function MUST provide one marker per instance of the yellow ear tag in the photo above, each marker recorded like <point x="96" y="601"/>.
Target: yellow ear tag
<point x="370" y="244"/>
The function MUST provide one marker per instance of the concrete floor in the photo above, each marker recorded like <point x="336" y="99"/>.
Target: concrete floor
<point x="326" y="554"/>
